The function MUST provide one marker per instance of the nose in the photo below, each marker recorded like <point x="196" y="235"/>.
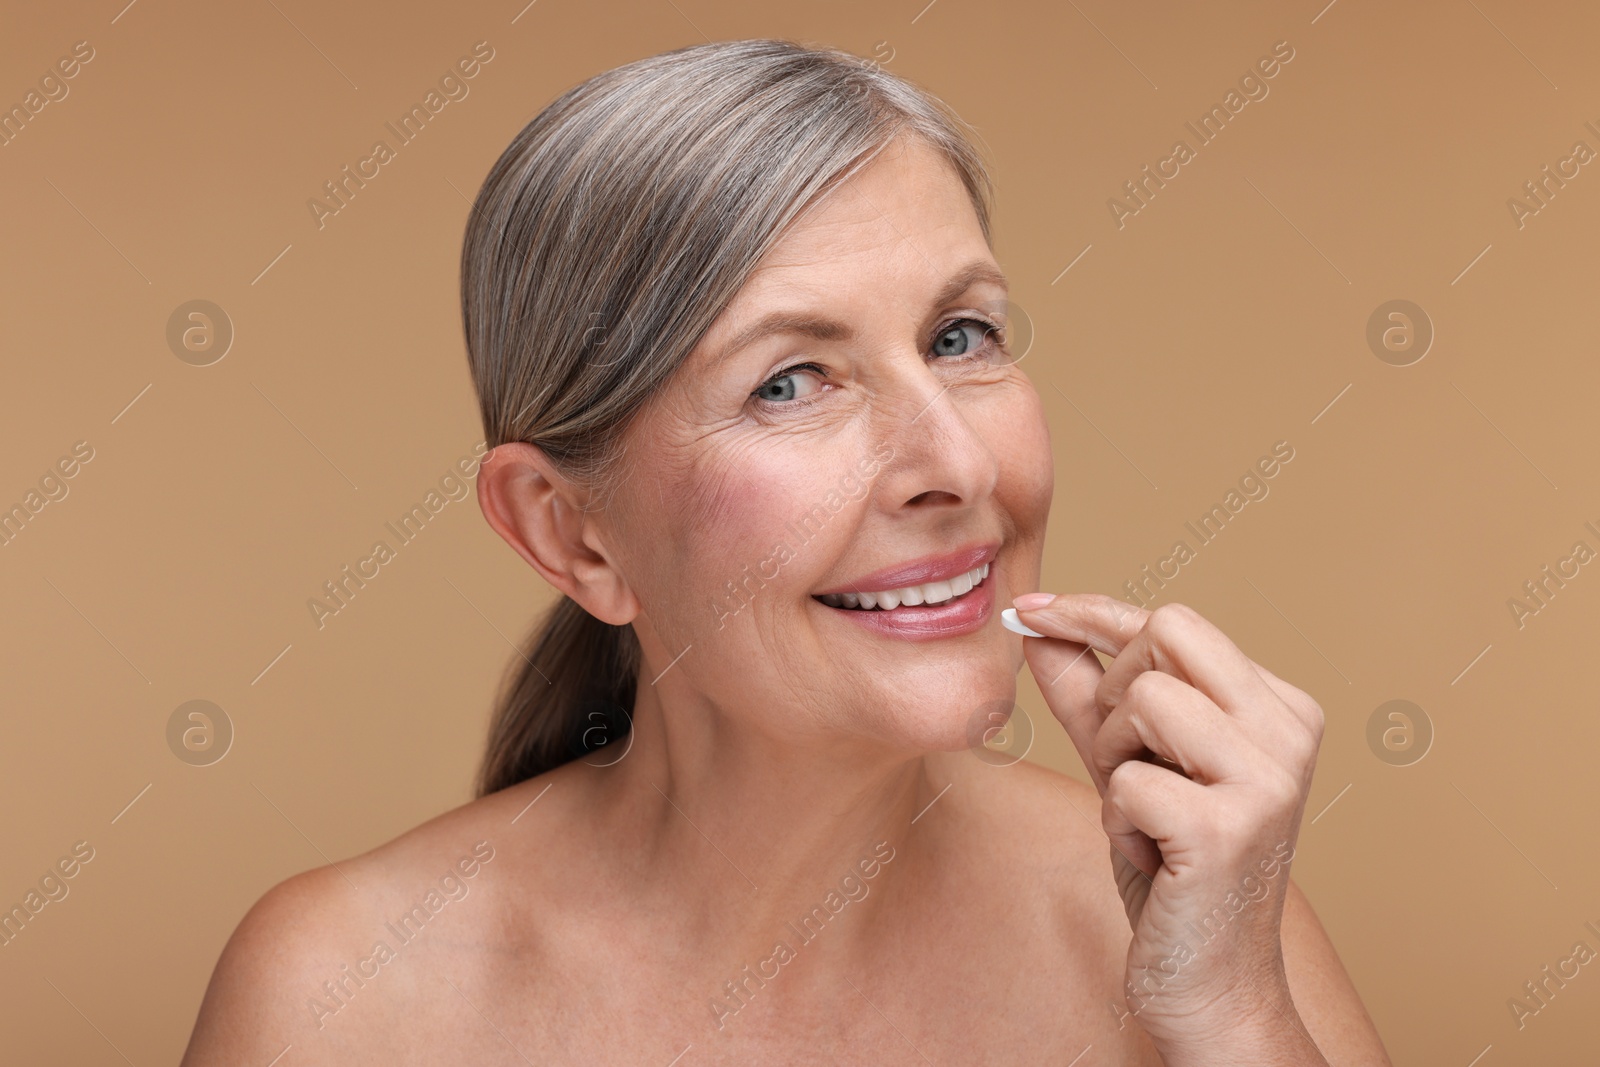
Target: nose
<point x="940" y="460"/>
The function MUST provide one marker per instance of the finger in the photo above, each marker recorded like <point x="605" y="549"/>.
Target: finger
<point x="1102" y="622"/>
<point x="1147" y="810"/>
<point x="1068" y="675"/>
<point x="1169" y="718"/>
<point x="1179" y="641"/>
<point x="1305" y="708"/>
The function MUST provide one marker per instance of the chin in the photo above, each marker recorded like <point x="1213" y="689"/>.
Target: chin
<point x="968" y="700"/>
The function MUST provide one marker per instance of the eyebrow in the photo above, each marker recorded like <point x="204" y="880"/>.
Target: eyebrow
<point x="825" y="329"/>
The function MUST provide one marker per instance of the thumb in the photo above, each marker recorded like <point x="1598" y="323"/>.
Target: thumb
<point x="1068" y="674"/>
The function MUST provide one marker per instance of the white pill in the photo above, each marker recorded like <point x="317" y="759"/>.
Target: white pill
<point x="1008" y="619"/>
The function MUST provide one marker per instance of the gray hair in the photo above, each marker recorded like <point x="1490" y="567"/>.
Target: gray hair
<point x="604" y="242"/>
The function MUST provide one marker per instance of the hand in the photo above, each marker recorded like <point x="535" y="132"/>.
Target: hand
<point x="1201" y="842"/>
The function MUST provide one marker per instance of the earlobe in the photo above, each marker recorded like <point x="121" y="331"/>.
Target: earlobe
<point x="542" y="516"/>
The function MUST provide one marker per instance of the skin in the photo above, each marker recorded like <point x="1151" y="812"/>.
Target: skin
<point x="780" y="752"/>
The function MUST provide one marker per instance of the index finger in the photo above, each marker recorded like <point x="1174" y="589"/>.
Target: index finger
<point x="1174" y="639"/>
<point x="1102" y="622"/>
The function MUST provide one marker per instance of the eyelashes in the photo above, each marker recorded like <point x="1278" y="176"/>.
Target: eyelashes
<point x="992" y="340"/>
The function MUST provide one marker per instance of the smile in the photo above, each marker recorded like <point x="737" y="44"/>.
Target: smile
<point x="928" y="599"/>
<point x="910" y="596"/>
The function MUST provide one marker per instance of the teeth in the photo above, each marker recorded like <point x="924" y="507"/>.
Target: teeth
<point x="910" y="596"/>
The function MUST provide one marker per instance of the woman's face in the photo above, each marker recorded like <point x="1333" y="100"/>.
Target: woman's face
<point x="875" y="437"/>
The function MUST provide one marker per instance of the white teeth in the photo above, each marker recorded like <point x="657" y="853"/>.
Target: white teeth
<point x="910" y="596"/>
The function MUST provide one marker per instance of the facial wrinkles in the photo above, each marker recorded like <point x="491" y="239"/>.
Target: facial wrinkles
<point x="731" y="479"/>
<point x="743" y="494"/>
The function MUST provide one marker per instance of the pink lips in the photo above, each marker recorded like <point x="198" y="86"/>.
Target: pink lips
<point x="927" y="569"/>
<point x="964" y="614"/>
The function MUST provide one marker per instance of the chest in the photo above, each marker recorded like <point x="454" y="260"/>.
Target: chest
<point x="972" y="992"/>
<point x="980" y="978"/>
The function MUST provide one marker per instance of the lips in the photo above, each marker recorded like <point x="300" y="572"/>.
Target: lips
<point x="965" y="612"/>
<point x="940" y="568"/>
<point x="930" y="593"/>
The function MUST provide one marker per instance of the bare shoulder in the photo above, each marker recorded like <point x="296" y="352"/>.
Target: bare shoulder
<point x="1048" y="825"/>
<point x="1323" y="993"/>
<point x="1053" y="817"/>
<point x="1043" y="827"/>
<point x="324" y="940"/>
<point x="246" y="1014"/>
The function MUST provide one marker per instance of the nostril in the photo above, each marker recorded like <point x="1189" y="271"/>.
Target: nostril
<point x="933" y="495"/>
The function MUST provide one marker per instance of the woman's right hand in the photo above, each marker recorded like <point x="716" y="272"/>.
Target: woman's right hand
<point x="1200" y="846"/>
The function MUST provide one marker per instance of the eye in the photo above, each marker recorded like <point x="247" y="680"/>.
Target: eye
<point x="963" y="337"/>
<point x="788" y="384"/>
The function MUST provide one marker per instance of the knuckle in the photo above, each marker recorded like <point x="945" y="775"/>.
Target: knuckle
<point x="1101" y="600"/>
<point x="1120" y="778"/>
<point x="1316" y="725"/>
<point x="1305" y="748"/>
<point x="1118" y="610"/>
<point x="1172" y="619"/>
<point x="1145" y="687"/>
<point x="1317" y="720"/>
<point x="1281" y="786"/>
<point x="1308" y="727"/>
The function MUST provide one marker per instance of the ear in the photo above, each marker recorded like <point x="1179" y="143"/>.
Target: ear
<point x="542" y="515"/>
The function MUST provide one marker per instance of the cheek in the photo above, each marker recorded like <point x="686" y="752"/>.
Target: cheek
<point x="1021" y="443"/>
<point x="729" y="522"/>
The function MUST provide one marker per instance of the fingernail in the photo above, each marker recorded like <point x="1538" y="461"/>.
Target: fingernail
<point x="1028" y="601"/>
<point x="1008" y="619"/>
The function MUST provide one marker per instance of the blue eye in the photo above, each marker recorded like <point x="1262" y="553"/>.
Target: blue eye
<point x="785" y="385"/>
<point x="961" y="337"/>
<point x="967" y="339"/>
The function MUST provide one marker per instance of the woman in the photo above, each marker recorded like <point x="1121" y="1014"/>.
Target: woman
<point x="739" y="339"/>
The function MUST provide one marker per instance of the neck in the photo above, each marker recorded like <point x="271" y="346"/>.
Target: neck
<point x="755" y="831"/>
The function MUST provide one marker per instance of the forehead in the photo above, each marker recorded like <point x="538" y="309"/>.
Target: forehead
<point x="904" y="219"/>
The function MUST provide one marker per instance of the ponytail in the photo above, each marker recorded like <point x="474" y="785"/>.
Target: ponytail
<point x="571" y="693"/>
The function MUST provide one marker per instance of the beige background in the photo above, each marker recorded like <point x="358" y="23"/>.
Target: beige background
<point x="1227" y="315"/>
